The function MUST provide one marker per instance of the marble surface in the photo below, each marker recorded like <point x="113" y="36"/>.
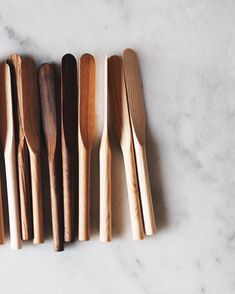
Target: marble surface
<point x="187" y="55"/>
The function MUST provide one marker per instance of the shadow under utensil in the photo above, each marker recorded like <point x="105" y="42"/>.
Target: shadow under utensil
<point x="156" y="181"/>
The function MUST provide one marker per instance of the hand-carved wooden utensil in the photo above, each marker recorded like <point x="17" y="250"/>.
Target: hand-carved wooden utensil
<point x="8" y="143"/>
<point x="87" y="88"/>
<point x="22" y="151"/>
<point x="49" y="115"/>
<point x="105" y="170"/>
<point x="2" y="232"/>
<point x="121" y="121"/>
<point x="69" y="105"/>
<point x="135" y="98"/>
<point x="31" y="126"/>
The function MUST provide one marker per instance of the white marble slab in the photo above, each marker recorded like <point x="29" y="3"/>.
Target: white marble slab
<point x="187" y="55"/>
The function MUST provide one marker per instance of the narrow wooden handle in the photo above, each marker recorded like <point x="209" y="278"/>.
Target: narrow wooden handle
<point x="2" y="233"/>
<point x="25" y="192"/>
<point x="35" y="166"/>
<point x="68" y="162"/>
<point x="145" y="190"/>
<point x="105" y="192"/>
<point x="84" y="194"/>
<point x="13" y="200"/>
<point x="133" y="193"/>
<point x="56" y="207"/>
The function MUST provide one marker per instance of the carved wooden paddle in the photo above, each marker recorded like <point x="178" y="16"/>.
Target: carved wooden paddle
<point x="87" y="88"/>
<point x="49" y="115"/>
<point x="137" y="114"/>
<point x="105" y="170"/>
<point x="69" y="105"/>
<point x="121" y="122"/>
<point x="31" y="127"/>
<point x="22" y="151"/>
<point x="8" y="143"/>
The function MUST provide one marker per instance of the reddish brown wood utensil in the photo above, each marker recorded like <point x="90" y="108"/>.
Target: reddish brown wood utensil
<point x="49" y="115"/>
<point x="69" y="105"/>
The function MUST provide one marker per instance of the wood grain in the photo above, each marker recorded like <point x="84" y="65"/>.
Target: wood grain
<point x="49" y="115"/>
<point x="31" y="126"/>
<point x="137" y="114"/>
<point x="69" y="118"/>
<point x="121" y="122"/>
<point x="7" y="138"/>
<point x="87" y="88"/>
<point x="105" y="170"/>
<point x="24" y="178"/>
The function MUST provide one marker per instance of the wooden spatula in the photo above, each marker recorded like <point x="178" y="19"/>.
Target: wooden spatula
<point x="22" y="151"/>
<point x="121" y="122"/>
<point x="69" y="105"/>
<point x="31" y="127"/>
<point x="105" y="170"/>
<point x="2" y="232"/>
<point x="137" y="114"/>
<point x="87" y="88"/>
<point x="8" y="143"/>
<point x="49" y="115"/>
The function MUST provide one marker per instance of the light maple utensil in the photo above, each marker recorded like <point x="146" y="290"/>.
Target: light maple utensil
<point x="8" y="143"/>
<point x="49" y="116"/>
<point x="22" y="151"/>
<point x="87" y="89"/>
<point x="121" y="122"/>
<point x="31" y="126"/>
<point x="69" y="105"/>
<point x="2" y="232"/>
<point x="105" y="170"/>
<point x="135" y="98"/>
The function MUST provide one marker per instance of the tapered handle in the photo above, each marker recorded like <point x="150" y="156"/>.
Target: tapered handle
<point x="145" y="190"/>
<point x="68" y="162"/>
<point x="35" y="165"/>
<point x="13" y="200"/>
<point x="25" y="191"/>
<point x="2" y="233"/>
<point x="105" y="191"/>
<point x="133" y="193"/>
<point x="56" y="207"/>
<point x="84" y="194"/>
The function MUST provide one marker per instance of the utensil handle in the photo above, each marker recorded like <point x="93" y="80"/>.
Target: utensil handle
<point x="105" y="191"/>
<point x="68" y="191"/>
<point x="35" y="165"/>
<point x="84" y="194"/>
<point x="56" y="207"/>
<point x="145" y="190"/>
<point x="2" y="233"/>
<point x="133" y="193"/>
<point x="25" y="192"/>
<point x="13" y="200"/>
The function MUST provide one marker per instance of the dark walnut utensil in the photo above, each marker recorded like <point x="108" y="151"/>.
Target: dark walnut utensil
<point x="49" y="116"/>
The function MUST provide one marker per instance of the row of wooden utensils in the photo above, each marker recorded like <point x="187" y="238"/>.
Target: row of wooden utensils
<point x="29" y="98"/>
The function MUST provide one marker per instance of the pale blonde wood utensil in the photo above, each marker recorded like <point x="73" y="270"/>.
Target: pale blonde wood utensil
<point x="31" y="126"/>
<point x="8" y="143"/>
<point x="137" y="114"/>
<point x="2" y="231"/>
<point x="87" y="89"/>
<point x="105" y="170"/>
<point x="121" y="122"/>
<point x="22" y="151"/>
<point x="69" y="134"/>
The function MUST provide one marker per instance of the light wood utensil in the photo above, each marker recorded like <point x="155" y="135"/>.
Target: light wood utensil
<point x="69" y="105"/>
<point x="137" y="114"/>
<point x="49" y="115"/>
<point x="8" y="143"/>
<point x="22" y="151"/>
<point x="87" y="88"/>
<point x="31" y="126"/>
<point x="121" y="122"/>
<point x="2" y="232"/>
<point x="105" y="170"/>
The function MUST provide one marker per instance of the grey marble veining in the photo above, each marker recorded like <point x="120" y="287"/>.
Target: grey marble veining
<point x="187" y="55"/>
